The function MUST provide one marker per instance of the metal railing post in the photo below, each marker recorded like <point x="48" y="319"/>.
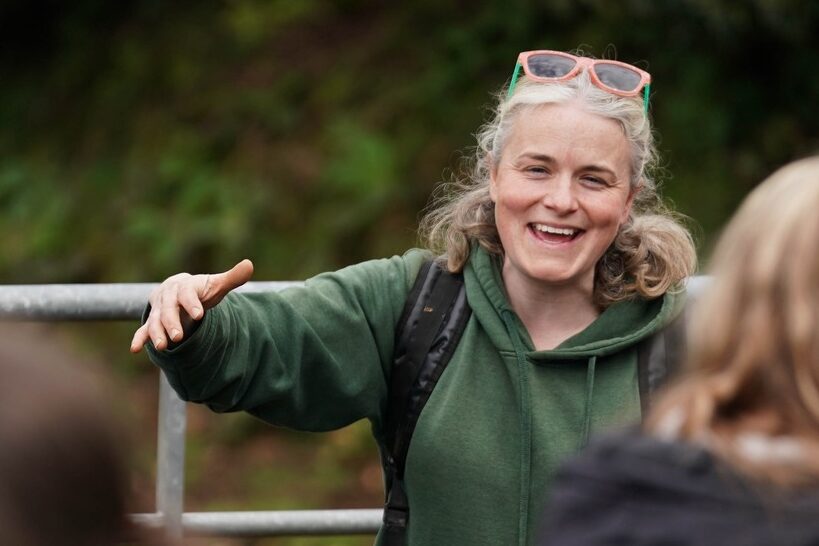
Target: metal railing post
<point x="170" y="465"/>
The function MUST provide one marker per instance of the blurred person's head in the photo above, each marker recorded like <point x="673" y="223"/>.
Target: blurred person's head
<point x="646" y="253"/>
<point x="752" y="378"/>
<point x="62" y="480"/>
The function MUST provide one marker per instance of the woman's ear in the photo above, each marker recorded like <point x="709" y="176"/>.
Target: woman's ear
<point x="630" y="201"/>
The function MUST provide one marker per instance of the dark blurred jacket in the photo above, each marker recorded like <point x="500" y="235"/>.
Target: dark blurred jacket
<point x="637" y="490"/>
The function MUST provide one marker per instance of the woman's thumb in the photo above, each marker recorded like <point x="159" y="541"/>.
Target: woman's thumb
<point x="239" y="274"/>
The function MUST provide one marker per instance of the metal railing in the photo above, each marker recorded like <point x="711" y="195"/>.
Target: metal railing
<point x="94" y="302"/>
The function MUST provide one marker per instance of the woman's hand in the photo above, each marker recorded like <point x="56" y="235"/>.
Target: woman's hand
<point x="192" y="294"/>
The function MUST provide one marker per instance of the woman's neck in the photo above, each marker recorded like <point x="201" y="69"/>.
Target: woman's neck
<point x="551" y="313"/>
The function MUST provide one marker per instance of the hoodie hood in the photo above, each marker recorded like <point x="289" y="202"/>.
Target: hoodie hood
<point x="621" y="325"/>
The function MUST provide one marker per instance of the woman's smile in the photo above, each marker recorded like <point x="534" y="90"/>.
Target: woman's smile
<point x="554" y="235"/>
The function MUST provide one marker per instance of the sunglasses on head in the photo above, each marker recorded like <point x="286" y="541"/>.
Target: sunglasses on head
<point x="612" y="76"/>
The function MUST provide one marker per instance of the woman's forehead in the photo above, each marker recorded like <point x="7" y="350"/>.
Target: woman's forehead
<point x="566" y="131"/>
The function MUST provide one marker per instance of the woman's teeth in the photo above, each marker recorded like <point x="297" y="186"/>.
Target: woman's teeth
<point x="569" y="232"/>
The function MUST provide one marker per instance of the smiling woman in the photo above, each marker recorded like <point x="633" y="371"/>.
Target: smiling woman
<point x="570" y="268"/>
<point x="561" y="191"/>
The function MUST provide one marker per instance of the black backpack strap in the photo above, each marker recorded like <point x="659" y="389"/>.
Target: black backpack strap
<point x="659" y="357"/>
<point x="434" y="318"/>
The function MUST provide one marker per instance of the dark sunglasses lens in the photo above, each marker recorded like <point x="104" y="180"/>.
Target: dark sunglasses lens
<point x="617" y="77"/>
<point x="550" y="66"/>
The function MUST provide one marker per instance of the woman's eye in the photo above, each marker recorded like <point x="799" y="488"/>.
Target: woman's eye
<point x="536" y="169"/>
<point x="595" y="181"/>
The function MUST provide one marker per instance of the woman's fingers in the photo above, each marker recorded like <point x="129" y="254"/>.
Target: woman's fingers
<point x="189" y="301"/>
<point x="162" y="310"/>
<point x="140" y="338"/>
<point x="148" y="331"/>
<point x="169" y="313"/>
<point x="156" y="332"/>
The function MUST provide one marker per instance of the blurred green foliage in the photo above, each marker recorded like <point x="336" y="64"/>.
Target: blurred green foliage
<point x="140" y="138"/>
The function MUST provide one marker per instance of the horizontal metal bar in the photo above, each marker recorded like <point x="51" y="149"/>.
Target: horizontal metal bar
<point x="124" y="301"/>
<point x="70" y="302"/>
<point x="273" y="523"/>
<point x="697" y="284"/>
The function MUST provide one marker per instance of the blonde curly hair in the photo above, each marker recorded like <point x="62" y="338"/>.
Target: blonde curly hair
<point x="651" y="253"/>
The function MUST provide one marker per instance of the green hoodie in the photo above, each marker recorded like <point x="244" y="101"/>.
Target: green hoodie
<point x="499" y="421"/>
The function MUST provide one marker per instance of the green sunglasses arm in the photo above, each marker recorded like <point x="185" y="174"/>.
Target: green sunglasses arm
<point x="646" y="90"/>
<point x="514" y="80"/>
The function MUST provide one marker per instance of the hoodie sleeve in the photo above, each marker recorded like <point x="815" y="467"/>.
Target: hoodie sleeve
<point x="315" y="357"/>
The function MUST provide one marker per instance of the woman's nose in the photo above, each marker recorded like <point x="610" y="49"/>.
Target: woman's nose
<point x="561" y="196"/>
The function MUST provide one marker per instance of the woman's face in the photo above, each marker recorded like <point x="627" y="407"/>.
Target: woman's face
<point x="561" y="191"/>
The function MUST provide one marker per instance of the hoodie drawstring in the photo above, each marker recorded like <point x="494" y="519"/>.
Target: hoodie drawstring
<point x="589" y="392"/>
<point x="525" y="417"/>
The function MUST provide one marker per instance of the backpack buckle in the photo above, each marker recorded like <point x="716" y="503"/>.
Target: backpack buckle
<point x="395" y="517"/>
